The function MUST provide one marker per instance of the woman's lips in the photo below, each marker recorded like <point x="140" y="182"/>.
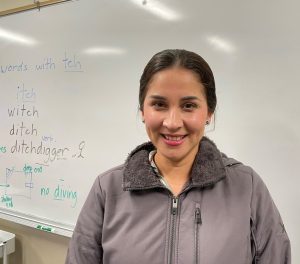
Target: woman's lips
<point x="173" y="140"/>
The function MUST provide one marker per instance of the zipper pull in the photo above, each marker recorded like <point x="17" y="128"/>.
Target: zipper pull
<point x="174" y="205"/>
<point x="198" y="218"/>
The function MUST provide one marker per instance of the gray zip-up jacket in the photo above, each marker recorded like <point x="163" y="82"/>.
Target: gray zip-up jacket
<point x="225" y="214"/>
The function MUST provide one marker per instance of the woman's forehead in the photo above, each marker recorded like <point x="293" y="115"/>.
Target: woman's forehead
<point x="175" y="82"/>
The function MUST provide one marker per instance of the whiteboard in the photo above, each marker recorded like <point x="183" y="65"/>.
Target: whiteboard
<point x="65" y="117"/>
<point x="76" y="75"/>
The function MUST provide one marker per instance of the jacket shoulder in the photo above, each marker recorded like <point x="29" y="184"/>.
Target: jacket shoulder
<point x="243" y="174"/>
<point x="111" y="180"/>
<point x="235" y="167"/>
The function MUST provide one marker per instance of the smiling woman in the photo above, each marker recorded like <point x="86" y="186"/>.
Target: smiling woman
<point x="177" y="198"/>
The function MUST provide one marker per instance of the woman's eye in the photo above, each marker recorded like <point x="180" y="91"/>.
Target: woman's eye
<point x="189" y="106"/>
<point x="159" y="105"/>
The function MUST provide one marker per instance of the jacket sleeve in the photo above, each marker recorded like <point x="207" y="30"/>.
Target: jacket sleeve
<point x="271" y="242"/>
<point x="85" y="245"/>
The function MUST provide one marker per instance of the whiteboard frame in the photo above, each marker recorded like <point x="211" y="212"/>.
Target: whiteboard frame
<point x="34" y="5"/>
<point x="34" y="221"/>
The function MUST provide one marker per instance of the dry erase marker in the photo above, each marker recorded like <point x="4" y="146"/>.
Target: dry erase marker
<point x="45" y="228"/>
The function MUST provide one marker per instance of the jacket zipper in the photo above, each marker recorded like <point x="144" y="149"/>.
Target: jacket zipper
<point x="174" y="211"/>
<point x="198" y="222"/>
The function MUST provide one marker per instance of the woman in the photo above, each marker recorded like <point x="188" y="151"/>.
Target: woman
<point x="177" y="199"/>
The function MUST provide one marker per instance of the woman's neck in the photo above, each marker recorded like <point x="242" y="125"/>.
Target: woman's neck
<point x="176" y="173"/>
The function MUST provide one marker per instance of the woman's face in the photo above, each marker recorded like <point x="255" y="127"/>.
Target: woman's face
<point x="175" y="113"/>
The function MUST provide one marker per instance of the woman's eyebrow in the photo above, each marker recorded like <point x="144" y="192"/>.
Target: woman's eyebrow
<point x="186" y="98"/>
<point x="159" y="97"/>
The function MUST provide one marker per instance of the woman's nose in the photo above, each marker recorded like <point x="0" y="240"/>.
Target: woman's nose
<point x="173" y="120"/>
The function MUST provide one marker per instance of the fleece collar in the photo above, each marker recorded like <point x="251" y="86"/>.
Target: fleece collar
<point x="207" y="169"/>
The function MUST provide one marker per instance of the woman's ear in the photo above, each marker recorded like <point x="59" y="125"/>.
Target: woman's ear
<point x="142" y="115"/>
<point x="209" y="118"/>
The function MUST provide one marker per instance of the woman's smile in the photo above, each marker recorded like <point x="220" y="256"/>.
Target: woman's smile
<point x="173" y="140"/>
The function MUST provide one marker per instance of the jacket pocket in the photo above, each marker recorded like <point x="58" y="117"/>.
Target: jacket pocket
<point x="197" y="223"/>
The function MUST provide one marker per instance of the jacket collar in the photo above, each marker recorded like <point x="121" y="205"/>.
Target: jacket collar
<point x="208" y="167"/>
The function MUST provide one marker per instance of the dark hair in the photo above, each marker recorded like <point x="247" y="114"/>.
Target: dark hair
<point x="180" y="58"/>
